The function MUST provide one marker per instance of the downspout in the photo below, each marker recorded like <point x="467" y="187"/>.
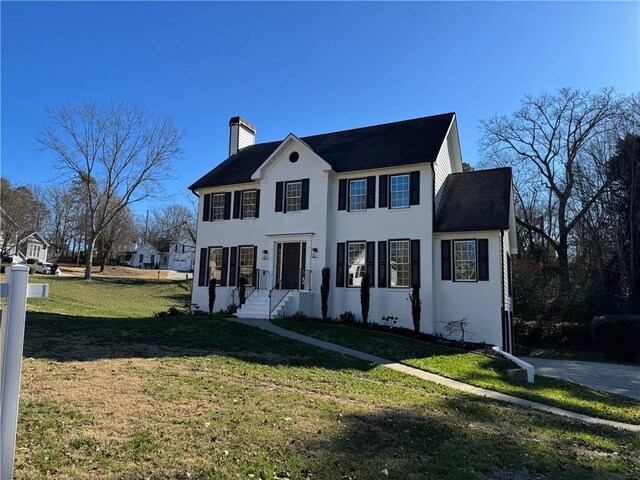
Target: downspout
<point x="505" y="334"/>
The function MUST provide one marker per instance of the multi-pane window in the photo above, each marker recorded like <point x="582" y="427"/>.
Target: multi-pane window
<point x="356" y="263"/>
<point x="141" y="258"/>
<point x="215" y="263"/>
<point x="293" y="197"/>
<point x="357" y="195"/>
<point x="399" y="191"/>
<point x="464" y="256"/>
<point x="246" y="264"/>
<point x="217" y="207"/>
<point x="249" y="204"/>
<point x="399" y="263"/>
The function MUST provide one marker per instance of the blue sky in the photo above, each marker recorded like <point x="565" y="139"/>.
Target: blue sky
<point x="305" y="68"/>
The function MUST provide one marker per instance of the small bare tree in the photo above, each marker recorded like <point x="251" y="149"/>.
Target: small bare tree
<point x="457" y="327"/>
<point x="116" y="153"/>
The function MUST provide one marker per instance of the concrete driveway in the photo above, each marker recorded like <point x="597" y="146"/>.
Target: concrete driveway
<point x="610" y="377"/>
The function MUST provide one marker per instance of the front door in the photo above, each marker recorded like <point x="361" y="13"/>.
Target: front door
<point x="290" y="266"/>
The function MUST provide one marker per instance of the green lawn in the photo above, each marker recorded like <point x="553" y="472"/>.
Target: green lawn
<point x="475" y="369"/>
<point x="197" y="397"/>
<point x="113" y="297"/>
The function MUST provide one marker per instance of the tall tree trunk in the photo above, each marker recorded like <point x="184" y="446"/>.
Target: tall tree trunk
<point x="90" y="247"/>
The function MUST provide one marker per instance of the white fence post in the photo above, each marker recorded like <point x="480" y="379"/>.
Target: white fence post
<point x="16" y="291"/>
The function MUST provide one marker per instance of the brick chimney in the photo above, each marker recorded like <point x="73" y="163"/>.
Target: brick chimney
<point x="242" y="134"/>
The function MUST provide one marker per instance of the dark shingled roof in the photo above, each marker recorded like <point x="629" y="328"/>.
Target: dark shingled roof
<point x="478" y="200"/>
<point x="388" y="145"/>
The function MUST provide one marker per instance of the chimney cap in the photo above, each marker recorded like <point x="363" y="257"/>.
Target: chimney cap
<point x="241" y="121"/>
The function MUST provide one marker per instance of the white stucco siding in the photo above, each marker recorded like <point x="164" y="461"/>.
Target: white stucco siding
<point x="271" y="227"/>
<point x="480" y="302"/>
<point x="383" y="224"/>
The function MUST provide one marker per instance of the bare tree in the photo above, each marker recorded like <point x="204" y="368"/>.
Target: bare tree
<point x="118" y="155"/>
<point x="551" y="144"/>
<point x="171" y="223"/>
<point x="22" y="213"/>
<point x="117" y="236"/>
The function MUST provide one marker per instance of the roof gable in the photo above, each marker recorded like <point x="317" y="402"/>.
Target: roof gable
<point x="478" y="200"/>
<point x="286" y="143"/>
<point x="388" y="145"/>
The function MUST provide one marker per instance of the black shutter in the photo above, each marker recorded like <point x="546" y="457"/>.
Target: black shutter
<point x="483" y="259"/>
<point x="202" y="271"/>
<point x="445" y="256"/>
<point x="414" y="258"/>
<point x="382" y="191"/>
<point x="279" y="194"/>
<point x="227" y="205"/>
<point x="237" y="198"/>
<point x="206" y="207"/>
<point x="382" y="264"/>
<point x="371" y="192"/>
<point x="225" y="266"/>
<point x="254" y="272"/>
<point x="233" y="266"/>
<point x="340" y="251"/>
<point x="257" y="203"/>
<point x="414" y="188"/>
<point x="371" y="262"/>
<point x="305" y="194"/>
<point x="342" y="194"/>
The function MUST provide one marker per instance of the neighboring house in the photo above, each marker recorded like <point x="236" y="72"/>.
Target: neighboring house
<point x="388" y="200"/>
<point x="178" y="256"/>
<point x="33" y="246"/>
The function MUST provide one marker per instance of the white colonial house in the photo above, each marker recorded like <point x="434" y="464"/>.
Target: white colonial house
<point x="388" y="200"/>
<point x="178" y="255"/>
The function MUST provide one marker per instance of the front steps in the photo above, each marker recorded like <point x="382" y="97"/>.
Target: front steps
<point x="257" y="305"/>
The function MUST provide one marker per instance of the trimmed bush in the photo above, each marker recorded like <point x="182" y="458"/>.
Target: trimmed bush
<point x="324" y="291"/>
<point x="32" y="261"/>
<point x="347" y="317"/>
<point x="545" y="333"/>
<point x="617" y="336"/>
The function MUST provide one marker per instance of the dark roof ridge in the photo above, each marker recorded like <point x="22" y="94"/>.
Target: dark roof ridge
<point x="397" y="122"/>
<point x="482" y="170"/>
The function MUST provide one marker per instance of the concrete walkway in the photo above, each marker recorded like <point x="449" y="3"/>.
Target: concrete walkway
<point x="610" y="377"/>
<point x="464" y="387"/>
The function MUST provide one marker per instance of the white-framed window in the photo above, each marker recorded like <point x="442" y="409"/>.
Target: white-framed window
<point x="357" y="195"/>
<point x="399" y="263"/>
<point x="356" y="266"/>
<point x="293" y="197"/>
<point x="249" y="204"/>
<point x="464" y="261"/>
<point x="246" y="263"/>
<point x="217" y="206"/>
<point x="215" y="263"/>
<point x="399" y="191"/>
<point x="33" y="251"/>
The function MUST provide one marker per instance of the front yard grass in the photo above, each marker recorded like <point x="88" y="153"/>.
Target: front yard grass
<point x="195" y="397"/>
<point x="473" y="368"/>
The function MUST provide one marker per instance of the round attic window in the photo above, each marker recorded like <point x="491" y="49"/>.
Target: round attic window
<point x="293" y="157"/>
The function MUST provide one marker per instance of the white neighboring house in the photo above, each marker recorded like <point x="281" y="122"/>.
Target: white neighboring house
<point x="387" y="200"/>
<point x="33" y="245"/>
<point x="178" y="256"/>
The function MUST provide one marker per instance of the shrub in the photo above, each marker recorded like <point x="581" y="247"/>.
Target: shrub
<point x="617" y="336"/>
<point x="324" y="291"/>
<point x="365" y="296"/>
<point x="172" y="312"/>
<point x="296" y="317"/>
<point x="547" y="333"/>
<point x="32" y="261"/>
<point x="230" y="310"/>
<point x="347" y="317"/>
<point x="416" y="308"/>
<point x="242" y="290"/>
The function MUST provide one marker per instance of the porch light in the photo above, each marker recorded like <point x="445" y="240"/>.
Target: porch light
<point x="265" y="255"/>
<point x="314" y="253"/>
